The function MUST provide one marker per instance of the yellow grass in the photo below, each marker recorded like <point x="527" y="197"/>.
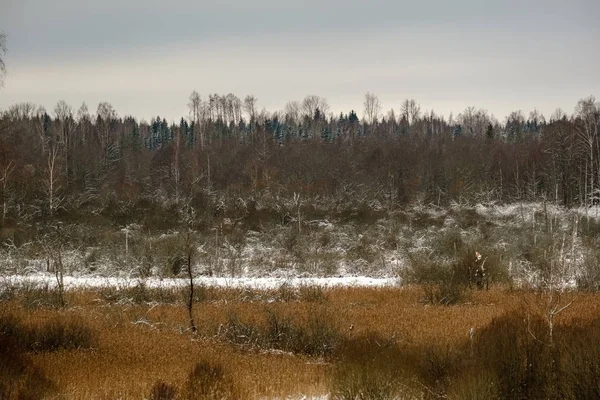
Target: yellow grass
<point x="138" y="345"/>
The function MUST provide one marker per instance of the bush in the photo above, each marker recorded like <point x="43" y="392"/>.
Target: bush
<point x="446" y="293"/>
<point x="317" y="337"/>
<point x="34" y="296"/>
<point x="464" y="268"/>
<point x="312" y="294"/>
<point x="514" y="348"/>
<point x="314" y="337"/>
<point x="19" y="378"/>
<point x="578" y="361"/>
<point x="58" y="334"/>
<point x="589" y="278"/>
<point x="162" y="391"/>
<point x="240" y="333"/>
<point x="372" y="368"/>
<point x="141" y="293"/>
<point x="474" y="385"/>
<point x="439" y="365"/>
<point x="54" y="335"/>
<point x="208" y="381"/>
<point x="441" y="284"/>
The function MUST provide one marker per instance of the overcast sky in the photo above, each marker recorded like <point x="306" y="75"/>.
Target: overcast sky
<point x="146" y="56"/>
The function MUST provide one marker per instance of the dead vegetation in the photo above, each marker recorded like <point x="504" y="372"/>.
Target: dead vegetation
<point x="352" y="343"/>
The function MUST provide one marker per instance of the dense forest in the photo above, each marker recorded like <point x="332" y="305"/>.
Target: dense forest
<point x="63" y="163"/>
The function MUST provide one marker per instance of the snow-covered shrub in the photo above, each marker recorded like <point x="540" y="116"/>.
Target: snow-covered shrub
<point x="588" y="277"/>
<point x="440" y="283"/>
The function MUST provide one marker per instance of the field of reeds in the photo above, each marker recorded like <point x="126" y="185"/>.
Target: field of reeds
<point x="292" y="342"/>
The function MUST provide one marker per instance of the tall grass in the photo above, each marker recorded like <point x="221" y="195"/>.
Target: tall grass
<point x="357" y="344"/>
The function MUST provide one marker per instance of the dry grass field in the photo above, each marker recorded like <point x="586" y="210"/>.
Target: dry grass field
<point x="285" y="343"/>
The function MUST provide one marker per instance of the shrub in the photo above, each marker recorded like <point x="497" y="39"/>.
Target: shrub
<point x="464" y="268"/>
<point x="19" y="378"/>
<point x="314" y="337"/>
<point x="578" y="361"/>
<point x="58" y="334"/>
<point x="372" y="368"/>
<point x="312" y="294"/>
<point x="141" y="293"/>
<point x="474" y="385"/>
<point x="445" y="293"/>
<point x="53" y="335"/>
<point x="162" y="391"/>
<point x="589" y="278"/>
<point x="317" y="337"/>
<point x="208" y="381"/>
<point x="238" y="332"/>
<point x="441" y="284"/>
<point x="466" y="217"/>
<point x="515" y="348"/>
<point x="286" y="293"/>
<point x="34" y="295"/>
<point x="438" y="365"/>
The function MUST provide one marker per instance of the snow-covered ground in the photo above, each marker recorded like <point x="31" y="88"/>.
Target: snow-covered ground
<point x="90" y="282"/>
<point x="331" y="253"/>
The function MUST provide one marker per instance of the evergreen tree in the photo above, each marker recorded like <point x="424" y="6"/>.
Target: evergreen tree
<point x="489" y="132"/>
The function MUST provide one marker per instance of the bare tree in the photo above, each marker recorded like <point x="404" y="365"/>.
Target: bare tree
<point x="372" y="108"/>
<point x="175" y="165"/>
<point x="189" y="218"/>
<point x="588" y="118"/>
<point x="558" y="115"/>
<point x="195" y="105"/>
<point x="21" y="111"/>
<point x="312" y="103"/>
<point x="40" y="128"/>
<point x="474" y="121"/>
<point x="292" y="111"/>
<point x="250" y="106"/>
<point x="7" y="195"/>
<point x="236" y="106"/>
<point x="64" y="116"/>
<point x="106" y="117"/>
<point x="410" y="110"/>
<point x="2" y="53"/>
<point x="536" y="117"/>
<point x="83" y="113"/>
<point x="52" y="181"/>
<point x="83" y="121"/>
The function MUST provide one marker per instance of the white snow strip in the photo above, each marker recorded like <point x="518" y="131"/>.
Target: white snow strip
<point x="91" y="282"/>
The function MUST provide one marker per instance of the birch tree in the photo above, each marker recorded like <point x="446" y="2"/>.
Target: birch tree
<point x="588" y="119"/>
<point x="410" y="111"/>
<point x="372" y="108"/>
<point x="250" y="107"/>
<point x="106" y="117"/>
<point x="52" y="181"/>
<point x="195" y="106"/>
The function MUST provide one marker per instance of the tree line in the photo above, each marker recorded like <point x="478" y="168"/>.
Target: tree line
<point x="65" y="160"/>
